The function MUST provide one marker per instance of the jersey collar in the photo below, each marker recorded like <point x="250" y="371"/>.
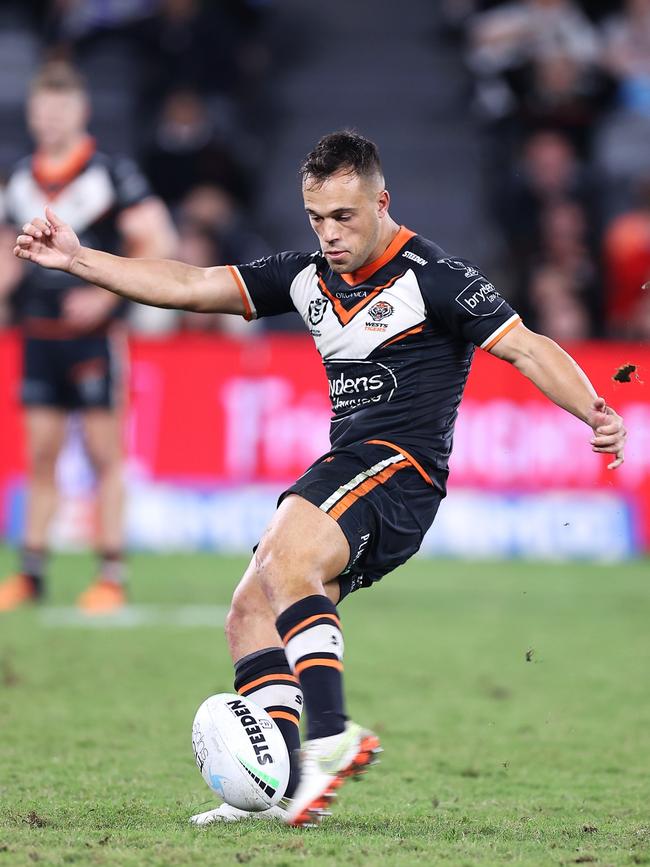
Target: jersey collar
<point x="366" y="271"/>
<point x="52" y="177"/>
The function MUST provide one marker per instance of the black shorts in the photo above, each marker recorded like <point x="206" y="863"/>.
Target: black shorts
<point x="74" y="374"/>
<point x="381" y="499"/>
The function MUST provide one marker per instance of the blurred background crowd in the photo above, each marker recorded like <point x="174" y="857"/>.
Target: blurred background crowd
<point x="514" y="133"/>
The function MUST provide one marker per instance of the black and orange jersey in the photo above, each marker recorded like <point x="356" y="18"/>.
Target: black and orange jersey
<point x="396" y="338"/>
<point x="88" y="192"/>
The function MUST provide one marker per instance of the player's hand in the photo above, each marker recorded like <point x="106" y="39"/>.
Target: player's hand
<point x="84" y="308"/>
<point x="609" y="431"/>
<point x="49" y="242"/>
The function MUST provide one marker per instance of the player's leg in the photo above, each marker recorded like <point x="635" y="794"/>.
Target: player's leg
<point x="93" y="383"/>
<point x="45" y="435"/>
<point x="45" y="428"/>
<point x="262" y="674"/>
<point x="302" y="552"/>
<point x="102" y="431"/>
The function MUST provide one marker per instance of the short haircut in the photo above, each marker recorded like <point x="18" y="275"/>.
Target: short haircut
<point x="60" y="77"/>
<point x="342" y="151"/>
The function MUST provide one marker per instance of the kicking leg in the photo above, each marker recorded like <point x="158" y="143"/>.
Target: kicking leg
<point x="263" y="675"/>
<point x="302" y="553"/>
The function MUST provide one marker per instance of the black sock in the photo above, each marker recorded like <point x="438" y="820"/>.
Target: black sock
<point x="32" y="566"/>
<point x="311" y="632"/>
<point x="265" y="677"/>
<point x="112" y="567"/>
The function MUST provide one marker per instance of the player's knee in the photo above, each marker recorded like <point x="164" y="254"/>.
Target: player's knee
<point x="105" y="461"/>
<point x="43" y="460"/>
<point x="277" y="564"/>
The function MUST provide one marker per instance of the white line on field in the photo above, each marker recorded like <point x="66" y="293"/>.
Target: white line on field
<point x="135" y="616"/>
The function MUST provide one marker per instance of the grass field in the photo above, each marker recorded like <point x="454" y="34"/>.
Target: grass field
<point x="512" y="700"/>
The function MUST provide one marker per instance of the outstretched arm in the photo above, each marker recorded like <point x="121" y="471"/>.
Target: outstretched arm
<point x="158" y="282"/>
<point x="560" y="378"/>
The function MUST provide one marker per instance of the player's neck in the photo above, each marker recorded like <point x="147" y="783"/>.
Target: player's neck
<point x="386" y="238"/>
<point x="62" y="151"/>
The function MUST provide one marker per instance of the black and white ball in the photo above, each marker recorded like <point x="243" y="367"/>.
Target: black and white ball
<point x="240" y="752"/>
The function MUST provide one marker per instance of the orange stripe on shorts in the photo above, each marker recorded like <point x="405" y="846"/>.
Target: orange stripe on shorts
<point x="365" y="488"/>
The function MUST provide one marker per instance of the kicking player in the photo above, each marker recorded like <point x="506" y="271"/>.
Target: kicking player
<point x="396" y="322"/>
<point x="71" y="328"/>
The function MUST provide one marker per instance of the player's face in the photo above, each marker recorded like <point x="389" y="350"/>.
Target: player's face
<point x="56" y="119"/>
<point x="347" y="214"/>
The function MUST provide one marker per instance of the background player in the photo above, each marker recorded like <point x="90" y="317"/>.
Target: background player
<point x="396" y="322"/>
<point x="72" y="348"/>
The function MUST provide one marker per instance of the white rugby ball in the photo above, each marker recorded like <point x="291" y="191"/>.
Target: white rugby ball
<point x="240" y="752"/>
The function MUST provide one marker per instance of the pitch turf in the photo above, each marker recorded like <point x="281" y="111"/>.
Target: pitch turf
<point x="512" y="700"/>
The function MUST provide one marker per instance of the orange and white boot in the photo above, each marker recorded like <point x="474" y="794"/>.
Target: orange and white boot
<point x="326" y="763"/>
<point x="17" y="590"/>
<point x="102" y="597"/>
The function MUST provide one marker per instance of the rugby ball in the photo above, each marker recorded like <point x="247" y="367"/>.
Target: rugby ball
<point x="240" y="752"/>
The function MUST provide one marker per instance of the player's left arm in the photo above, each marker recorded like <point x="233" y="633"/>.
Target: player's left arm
<point x="561" y="379"/>
<point x="146" y="232"/>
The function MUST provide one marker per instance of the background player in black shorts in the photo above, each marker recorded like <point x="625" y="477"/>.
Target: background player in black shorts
<point x="396" y="322"/>
<point x="72" y="356"/>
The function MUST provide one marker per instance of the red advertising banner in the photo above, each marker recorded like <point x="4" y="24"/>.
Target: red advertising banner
<point x="208" y="412"/>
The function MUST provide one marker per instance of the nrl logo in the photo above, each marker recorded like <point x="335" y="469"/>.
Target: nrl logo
<point x="317" y="310"/>
<point x="457" y="265"/>
<point x="380" y="310"/>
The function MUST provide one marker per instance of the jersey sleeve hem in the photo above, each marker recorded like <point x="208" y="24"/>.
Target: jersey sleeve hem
<point x="249" y="308"/>
<point x="500" y="332"/>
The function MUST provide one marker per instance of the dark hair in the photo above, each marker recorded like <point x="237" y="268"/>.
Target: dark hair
<point x="59" y="76"/>
<point x="342" y="150"/>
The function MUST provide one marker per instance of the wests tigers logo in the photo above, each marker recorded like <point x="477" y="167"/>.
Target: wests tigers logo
<point x="380" y="310"/>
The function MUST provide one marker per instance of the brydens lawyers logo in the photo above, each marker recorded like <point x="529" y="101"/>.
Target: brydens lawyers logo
<point x="380" y="311"/>
<point x="480" y="298"/>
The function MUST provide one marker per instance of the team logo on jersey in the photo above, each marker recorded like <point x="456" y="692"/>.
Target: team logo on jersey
<point x="380" y="311"/>
<point x="457" y="265"/>
<point x="480" y="298"/>
<point x="317" y="310"/>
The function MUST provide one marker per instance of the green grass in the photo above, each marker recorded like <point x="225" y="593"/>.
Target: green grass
<point x="490" y="758"/>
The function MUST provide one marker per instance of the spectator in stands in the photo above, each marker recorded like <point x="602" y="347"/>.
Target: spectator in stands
<point x="186" y="151"/>
<point x="198" y="246"/>
<point x="213" y="209"/>
<point x="627" y="265"/>
<point x="627" y="53"/>
<point x="564" y="292"/>
<point x="220" y="49"/>
<point x="548" y="172"/>
<point x="556" y="307"/>
<point x="622" y="145"/>
<point x="506" y="41"/>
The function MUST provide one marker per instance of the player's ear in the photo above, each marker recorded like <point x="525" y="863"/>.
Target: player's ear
<point x="383" y="202"/>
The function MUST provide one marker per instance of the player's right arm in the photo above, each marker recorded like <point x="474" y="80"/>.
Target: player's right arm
<point x="51" y="243"/>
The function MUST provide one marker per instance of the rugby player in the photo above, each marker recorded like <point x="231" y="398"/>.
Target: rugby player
<point x="396" y="322"/>
<point x="72" y="346"/>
